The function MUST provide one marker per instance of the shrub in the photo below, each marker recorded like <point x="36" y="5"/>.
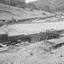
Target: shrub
<point x="48" y="35"/>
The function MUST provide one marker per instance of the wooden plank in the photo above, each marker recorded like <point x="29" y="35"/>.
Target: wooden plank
<point x="3" y="38"/>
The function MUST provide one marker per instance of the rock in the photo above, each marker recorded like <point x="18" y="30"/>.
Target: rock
<point x="31" y="54"/>
<point x="60" y="55"/>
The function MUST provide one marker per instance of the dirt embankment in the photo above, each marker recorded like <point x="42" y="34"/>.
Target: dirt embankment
<point x="35" y="53"/>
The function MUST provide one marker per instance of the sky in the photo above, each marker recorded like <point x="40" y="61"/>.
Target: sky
<point x="29" y="1"/>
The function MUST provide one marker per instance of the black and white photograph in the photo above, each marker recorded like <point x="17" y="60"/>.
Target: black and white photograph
<point x="31" y="31"/>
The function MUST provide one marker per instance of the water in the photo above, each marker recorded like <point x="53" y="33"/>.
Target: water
<point x="28" y="28"/>
<point x="37" y="27"/>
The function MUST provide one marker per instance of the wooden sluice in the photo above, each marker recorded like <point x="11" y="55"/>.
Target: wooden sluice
<point x="5" y="39"/>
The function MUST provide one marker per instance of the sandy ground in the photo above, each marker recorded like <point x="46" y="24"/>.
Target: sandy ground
<point x="34" y="53"/>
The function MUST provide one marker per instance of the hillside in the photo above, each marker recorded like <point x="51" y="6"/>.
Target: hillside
<point x="50" y="5"/>
<point x="12" y="2"/>
<point x="46" y="5"/>
<point x="7" y="12"/>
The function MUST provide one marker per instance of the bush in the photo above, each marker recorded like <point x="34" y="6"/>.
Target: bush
<point x="48" y="35"/>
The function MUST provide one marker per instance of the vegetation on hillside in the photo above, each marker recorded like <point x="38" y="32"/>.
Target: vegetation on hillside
<point x="50" y="5"/>
<point x="18" y="3"/>
<point x="46" y="5"/>
<point x="12" y="2"/>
